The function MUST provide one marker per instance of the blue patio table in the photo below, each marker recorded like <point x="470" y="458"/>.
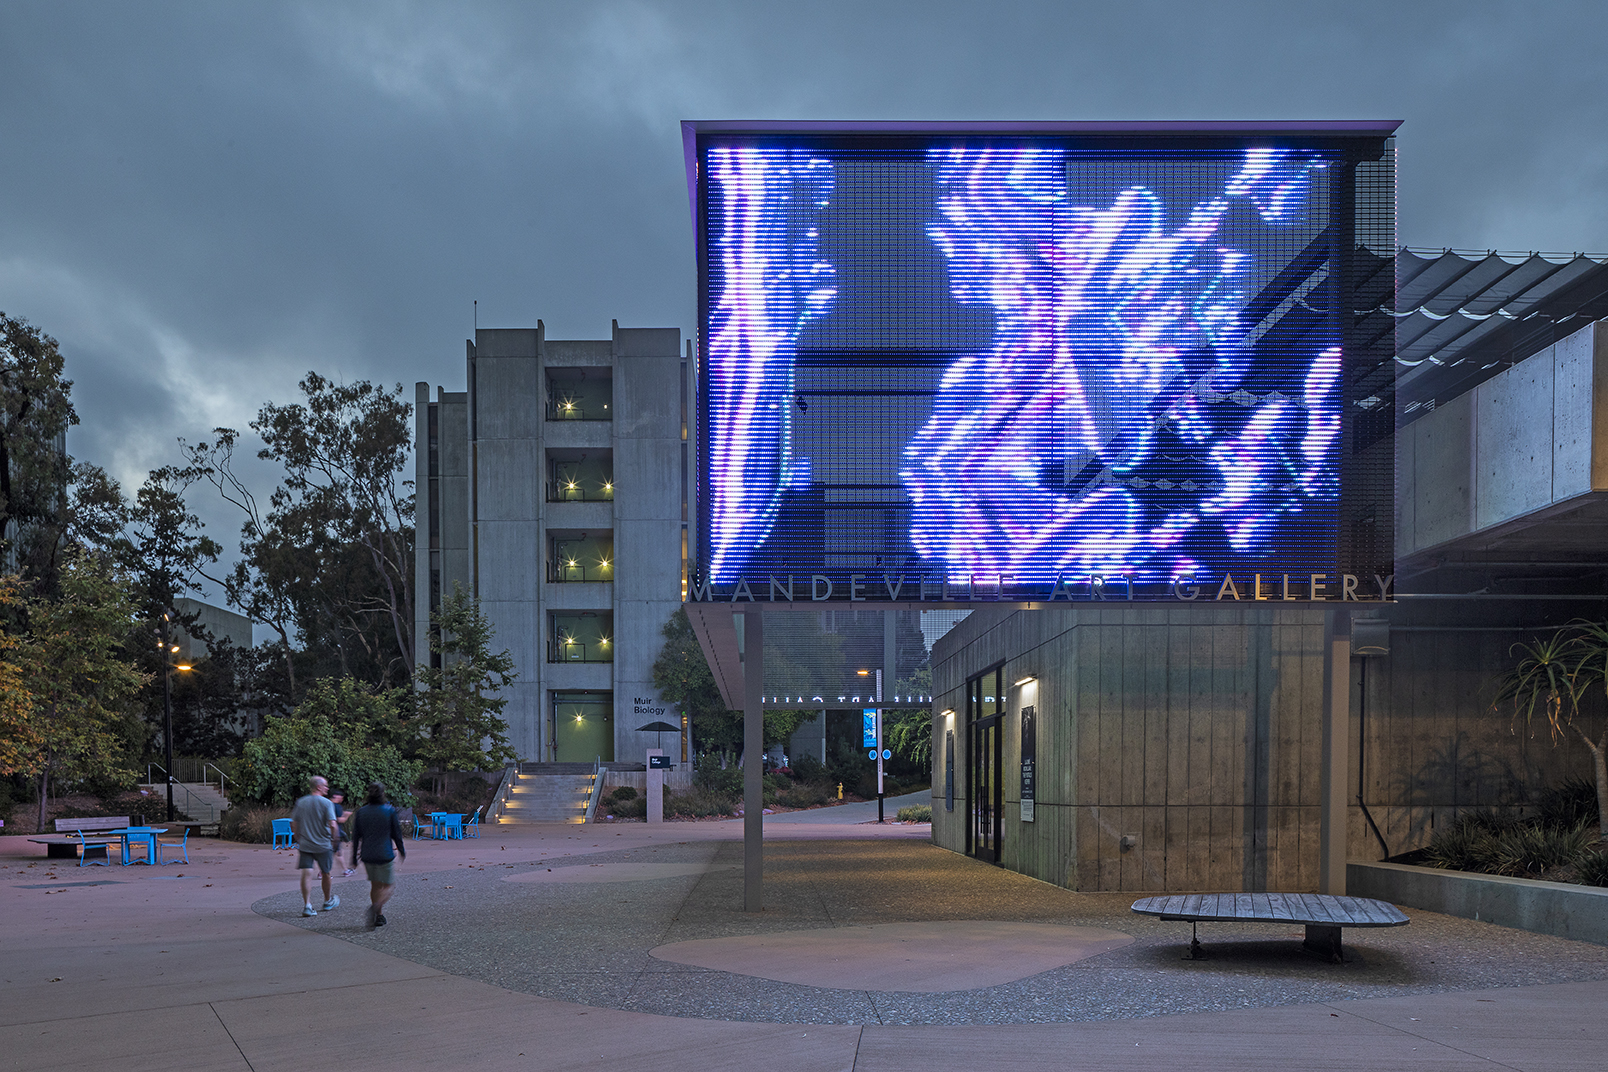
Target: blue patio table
<point x="447" y="824"/>
<point x="128" y="834"/>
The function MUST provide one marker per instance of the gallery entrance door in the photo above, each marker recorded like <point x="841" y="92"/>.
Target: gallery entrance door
<point x="985" y="718"/>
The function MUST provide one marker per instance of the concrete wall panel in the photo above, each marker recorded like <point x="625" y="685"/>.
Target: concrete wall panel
<point x="509" y="561"/>
<point x="1573" y="403"/>
<point x="1443" y="473"/>
<point x="510" y="398"/>
<point x="510" y="476"/>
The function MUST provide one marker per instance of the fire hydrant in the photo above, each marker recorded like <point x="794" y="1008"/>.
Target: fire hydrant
<point x="840" y="790"/>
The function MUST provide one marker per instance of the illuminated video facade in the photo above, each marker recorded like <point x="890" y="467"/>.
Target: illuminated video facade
<point x="1035" y="356"/>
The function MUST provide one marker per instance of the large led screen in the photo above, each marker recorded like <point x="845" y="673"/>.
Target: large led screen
<point x="954" y="356"/>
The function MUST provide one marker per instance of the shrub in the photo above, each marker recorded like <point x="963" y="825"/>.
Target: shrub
<point x="915" y="813"/>
<point x="804" y="795"/>
<point x="699" y="803"/>
<point x="623" y="792"/>
<point x="1592" y="868"/>
<point x="253" y="825"/>
<point x="807" y="768"/>
<point x="1567" y="805"/>
<point x="629" y="808"/>
<point x="1530" y="850"/>
<point x="276" y="766"/>
<point x="708" y="774"/>
<point x="1468" y="844"/>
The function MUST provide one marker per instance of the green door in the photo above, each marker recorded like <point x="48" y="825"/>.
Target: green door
<point x="583" y="731"/>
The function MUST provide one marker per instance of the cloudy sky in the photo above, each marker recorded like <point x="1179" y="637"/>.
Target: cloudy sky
<point x="202" y="201"/>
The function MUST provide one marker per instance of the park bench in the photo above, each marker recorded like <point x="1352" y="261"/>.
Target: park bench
<point x="65" y="842"/>
<point x="1322" y="914"/>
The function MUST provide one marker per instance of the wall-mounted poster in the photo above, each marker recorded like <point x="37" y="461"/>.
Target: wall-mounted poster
<point x="1029" y="758"/>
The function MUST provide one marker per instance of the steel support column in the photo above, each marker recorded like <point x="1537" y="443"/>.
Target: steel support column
<point x="752" y="641"/>
<point x="1335" y="773"/>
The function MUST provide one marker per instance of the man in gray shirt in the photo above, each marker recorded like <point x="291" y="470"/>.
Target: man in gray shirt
<point x="313" y="821"/>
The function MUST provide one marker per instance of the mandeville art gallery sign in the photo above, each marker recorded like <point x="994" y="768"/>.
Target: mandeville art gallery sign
<point x="902" y="588"/>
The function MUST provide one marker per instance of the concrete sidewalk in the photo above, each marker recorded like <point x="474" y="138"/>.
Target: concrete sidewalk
<point x="171" y="968"/>
<point x="859" y="811"/>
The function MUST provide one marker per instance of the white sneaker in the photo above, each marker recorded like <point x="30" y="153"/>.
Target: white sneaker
<point x="333" y="902"/>
<point x="309" y="910"/>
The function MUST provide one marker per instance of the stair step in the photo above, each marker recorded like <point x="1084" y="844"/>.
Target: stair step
<point x="551" y="793"/>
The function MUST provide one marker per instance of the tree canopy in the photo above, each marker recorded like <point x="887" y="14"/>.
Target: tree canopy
<point x="68" y="682"/>
<point x="460" y="705"/>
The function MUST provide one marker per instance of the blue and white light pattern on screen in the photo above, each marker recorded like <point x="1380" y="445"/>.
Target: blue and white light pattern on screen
<point x="1105" y="429"/>
<point x="770" y="282"/>
<point x="1109" y="330"/>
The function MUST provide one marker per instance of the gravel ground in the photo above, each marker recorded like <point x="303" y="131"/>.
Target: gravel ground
<point x="588" y="941"/>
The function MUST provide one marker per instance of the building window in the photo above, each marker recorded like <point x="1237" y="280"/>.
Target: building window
<point x="585" y="636"/>
<point x="580" y="556"/>
<point x="580" y="476"/>
<point x="584" y="394"/>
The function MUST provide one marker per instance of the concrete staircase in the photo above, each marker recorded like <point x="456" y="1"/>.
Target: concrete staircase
<point x="550" y="793"/>
<point x="200" y="801"/>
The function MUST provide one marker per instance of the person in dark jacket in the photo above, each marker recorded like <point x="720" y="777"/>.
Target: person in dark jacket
<point x="375" y="829"/>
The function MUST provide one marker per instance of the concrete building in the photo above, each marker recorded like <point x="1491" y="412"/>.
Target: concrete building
<point x="1180" y="747"/>
<point x="554" y="489"/>
<point x="225" y="625"/>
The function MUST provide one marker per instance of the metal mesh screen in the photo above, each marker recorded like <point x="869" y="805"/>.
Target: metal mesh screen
<point x="1044" y="358"/>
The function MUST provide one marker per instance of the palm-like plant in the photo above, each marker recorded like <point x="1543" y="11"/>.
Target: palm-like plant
<point x="1551" y="678"/>
<point x="1543" y="681"/>
<point x="1591" y="674"/>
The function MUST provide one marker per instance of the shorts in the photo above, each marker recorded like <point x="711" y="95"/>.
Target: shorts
<point x="383" y="874"/>
<point x="324" y="861"/>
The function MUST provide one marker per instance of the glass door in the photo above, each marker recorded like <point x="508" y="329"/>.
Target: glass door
<point x="985" y="764"/>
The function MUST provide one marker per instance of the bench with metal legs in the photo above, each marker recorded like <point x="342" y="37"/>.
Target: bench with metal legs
<point x="1323" y="915"/>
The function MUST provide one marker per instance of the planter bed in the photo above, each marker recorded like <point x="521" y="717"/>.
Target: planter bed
<point x="1558" y="908"/>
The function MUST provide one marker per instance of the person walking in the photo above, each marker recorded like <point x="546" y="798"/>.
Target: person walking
<point x="313" y="822"/>
<point x="338" y="800"/>
<point x="375" y="830"/>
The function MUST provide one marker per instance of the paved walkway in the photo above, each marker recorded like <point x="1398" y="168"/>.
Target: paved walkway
<point x="173" y="968"/>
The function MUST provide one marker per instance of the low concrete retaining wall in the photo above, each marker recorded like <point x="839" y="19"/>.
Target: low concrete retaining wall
<point x="1559" y="908"/>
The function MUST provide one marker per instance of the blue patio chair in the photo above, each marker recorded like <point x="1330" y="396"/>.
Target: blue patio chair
<point x="472" y="827"/>
<point x="180" y="847"/>
<point x="93" y="851"/>
<point x="284" y="836"/>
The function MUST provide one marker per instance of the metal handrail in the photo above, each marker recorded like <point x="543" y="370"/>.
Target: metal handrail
<point x="510" y="779"/>
<point x="222" y="777"/>
<point x="597" y="789"/>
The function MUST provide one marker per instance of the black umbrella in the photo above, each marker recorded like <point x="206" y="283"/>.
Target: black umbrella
<point x="659" y="727"/>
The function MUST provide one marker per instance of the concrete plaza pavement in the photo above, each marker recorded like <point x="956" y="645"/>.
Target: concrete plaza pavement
<point x="174" y="968"/>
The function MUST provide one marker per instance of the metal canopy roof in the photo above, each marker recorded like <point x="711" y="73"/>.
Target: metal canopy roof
<point x="1461" y="318"/>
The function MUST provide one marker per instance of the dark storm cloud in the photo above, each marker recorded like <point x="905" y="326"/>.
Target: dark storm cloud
<point x="203" y="201"/>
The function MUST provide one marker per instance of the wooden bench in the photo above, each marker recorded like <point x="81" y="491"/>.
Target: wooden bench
<point x="65" y="843"/>
<point x="1322" y="914"/>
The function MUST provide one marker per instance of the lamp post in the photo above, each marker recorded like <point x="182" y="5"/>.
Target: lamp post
<point x="168" y="666"/>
